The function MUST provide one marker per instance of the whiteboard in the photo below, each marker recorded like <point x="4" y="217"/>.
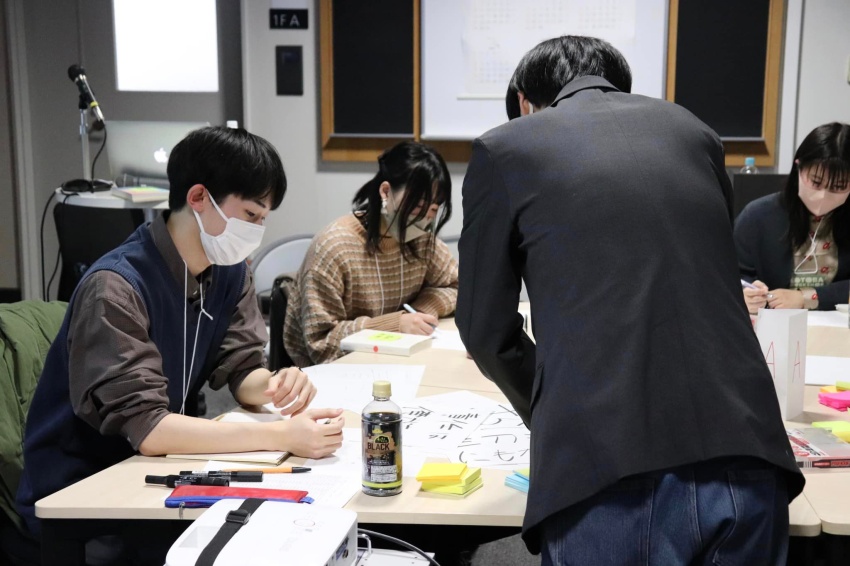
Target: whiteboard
<point x="470" y="49"/>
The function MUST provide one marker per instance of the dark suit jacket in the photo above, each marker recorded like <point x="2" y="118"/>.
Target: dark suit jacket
<point x="765" y="254"/>
<point x="616" y="210"/>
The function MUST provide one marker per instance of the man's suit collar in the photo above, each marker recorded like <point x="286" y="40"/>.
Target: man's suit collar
<point x="582" y="83"/>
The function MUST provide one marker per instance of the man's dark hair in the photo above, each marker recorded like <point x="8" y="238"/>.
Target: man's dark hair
<point x="227" y="161"/>
<point x="548" y="67"/>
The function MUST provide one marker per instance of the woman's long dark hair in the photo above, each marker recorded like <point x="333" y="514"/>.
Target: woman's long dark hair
<point x="826" y="151"/>
<point x="418" y="169"/>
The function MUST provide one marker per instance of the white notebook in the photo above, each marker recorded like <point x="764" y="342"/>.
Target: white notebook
<point x="261" y="457"/>
<point x="384" y="342"/>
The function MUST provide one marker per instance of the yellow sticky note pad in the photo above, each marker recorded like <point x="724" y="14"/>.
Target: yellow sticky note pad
<point x="444" y="473"/>
<point x="829" y="389"/>
<point x="841" y="429"/>
<point x="461" y="490"/>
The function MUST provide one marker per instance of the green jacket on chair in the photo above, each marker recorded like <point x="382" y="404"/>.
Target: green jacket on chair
<point x="26" y="330"/>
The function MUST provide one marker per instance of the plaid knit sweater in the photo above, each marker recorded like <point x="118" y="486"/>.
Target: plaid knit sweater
<point x="341" y="289"/>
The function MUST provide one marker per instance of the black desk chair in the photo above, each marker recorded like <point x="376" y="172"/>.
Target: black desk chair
<point x="86" y="233"/>
<point x="278" y="358"/>
<point x="747" y="188"/>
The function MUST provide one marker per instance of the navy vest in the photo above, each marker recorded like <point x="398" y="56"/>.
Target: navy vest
<point x="61" y="449"/>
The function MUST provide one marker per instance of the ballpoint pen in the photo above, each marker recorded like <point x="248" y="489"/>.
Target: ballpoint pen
<point x="748" y="285"/>
<point x="282" y="470"/>
<point x="173" y="480"/>
<point x="241" y="475"/>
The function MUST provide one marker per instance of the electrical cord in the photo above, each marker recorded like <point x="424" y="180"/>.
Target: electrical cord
<point x="400" y="542"/>
<point x="102" y="145"/>
<point x="41" y="244"/>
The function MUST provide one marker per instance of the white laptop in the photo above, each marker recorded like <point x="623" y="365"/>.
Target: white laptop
<point x="139" y="151"/>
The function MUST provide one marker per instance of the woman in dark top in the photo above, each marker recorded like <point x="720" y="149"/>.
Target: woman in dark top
<point x="794" y="246"/>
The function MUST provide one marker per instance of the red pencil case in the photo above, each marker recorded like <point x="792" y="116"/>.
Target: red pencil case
<point x="206" y="495"/>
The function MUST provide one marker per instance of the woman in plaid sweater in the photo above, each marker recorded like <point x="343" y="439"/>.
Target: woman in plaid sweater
<point x="362" y="268"/>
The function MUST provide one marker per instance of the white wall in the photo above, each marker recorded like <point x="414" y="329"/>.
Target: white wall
<point x="318" y="191"/>
<point x="824" y="92"/>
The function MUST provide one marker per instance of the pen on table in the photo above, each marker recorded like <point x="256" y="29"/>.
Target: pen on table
<point x="242" y="475"/>
<point x="284" y="470"/>
<point x="173" y="480"/>
<point x="412" y="310"/>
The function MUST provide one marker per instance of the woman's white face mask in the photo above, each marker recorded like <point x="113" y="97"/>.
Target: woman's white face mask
<point x="819" y="200"/>
<point x="422" y="227"/>
<point x="238" y="240"/>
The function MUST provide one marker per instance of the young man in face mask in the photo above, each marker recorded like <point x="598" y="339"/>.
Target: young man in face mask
<point x="171" y="308"/>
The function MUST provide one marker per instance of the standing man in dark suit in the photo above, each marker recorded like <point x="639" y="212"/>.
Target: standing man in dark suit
<point x="656" y="436"/>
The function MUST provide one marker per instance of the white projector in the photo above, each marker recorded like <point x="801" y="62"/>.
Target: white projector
<point x="277" y="533"/>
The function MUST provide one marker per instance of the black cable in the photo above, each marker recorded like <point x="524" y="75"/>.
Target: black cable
<point x="58" y="255"/>
<point x="102" y="145"/>
<point x="400" y="542"/>
<point x="41" y="243"/>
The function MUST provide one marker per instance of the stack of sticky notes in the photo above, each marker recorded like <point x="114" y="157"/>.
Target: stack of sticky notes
<point x="839" y="400"/>
<point x="519" y="480"/>
<point x="449" y="479"/>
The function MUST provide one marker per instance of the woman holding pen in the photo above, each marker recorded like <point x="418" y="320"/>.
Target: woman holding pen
<point x="794" y="246"/>
<point x="362" y="269"/>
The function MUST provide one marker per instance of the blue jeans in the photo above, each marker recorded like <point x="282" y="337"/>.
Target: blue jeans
<point x="727" y="511"/>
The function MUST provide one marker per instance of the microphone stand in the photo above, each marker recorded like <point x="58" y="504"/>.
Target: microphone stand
<point x="84" y="138"/>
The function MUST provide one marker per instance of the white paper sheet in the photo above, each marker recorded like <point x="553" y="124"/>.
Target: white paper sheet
<point x="828" y="318"/>
<point x="349" y="386"/>
<point x="442" y="422"/>
<point x="826" y="370"/>
<point x="447" y="340"/>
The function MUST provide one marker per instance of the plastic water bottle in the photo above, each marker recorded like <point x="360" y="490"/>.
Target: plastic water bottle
<point x="381" y="422"/>
<point x="749" y="167"/>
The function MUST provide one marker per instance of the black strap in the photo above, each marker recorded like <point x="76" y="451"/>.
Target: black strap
<point x="234" y="521"/>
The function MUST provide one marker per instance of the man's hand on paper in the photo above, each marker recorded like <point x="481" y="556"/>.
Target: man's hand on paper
<point x="290" y="390"/>
<point x="310" y="434"/>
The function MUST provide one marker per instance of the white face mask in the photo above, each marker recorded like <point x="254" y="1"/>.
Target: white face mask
<point x="234" y="244"/>
<point x="414" y="230"/>
<point x="819" y="201"/>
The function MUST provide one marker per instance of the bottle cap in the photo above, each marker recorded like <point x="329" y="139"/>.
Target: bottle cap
<point x="750" y="161"/>
<point x="382" y="389"/>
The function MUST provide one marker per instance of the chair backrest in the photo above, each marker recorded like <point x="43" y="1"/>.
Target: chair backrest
<point x="86" y="233"/>
<point x="747" y="188"/>
<point x="282" y="256"/>
<point x="278" y="357"/>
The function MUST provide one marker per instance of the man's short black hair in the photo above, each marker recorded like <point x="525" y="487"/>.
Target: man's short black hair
<point x="227" y="161"/>
<point x="552" y="64"/>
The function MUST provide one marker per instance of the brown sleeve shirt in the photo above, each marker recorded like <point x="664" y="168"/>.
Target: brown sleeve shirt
<point x="115" y="370"/>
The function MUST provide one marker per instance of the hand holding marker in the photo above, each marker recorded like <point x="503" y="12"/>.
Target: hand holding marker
<point x="412" y="310"/>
